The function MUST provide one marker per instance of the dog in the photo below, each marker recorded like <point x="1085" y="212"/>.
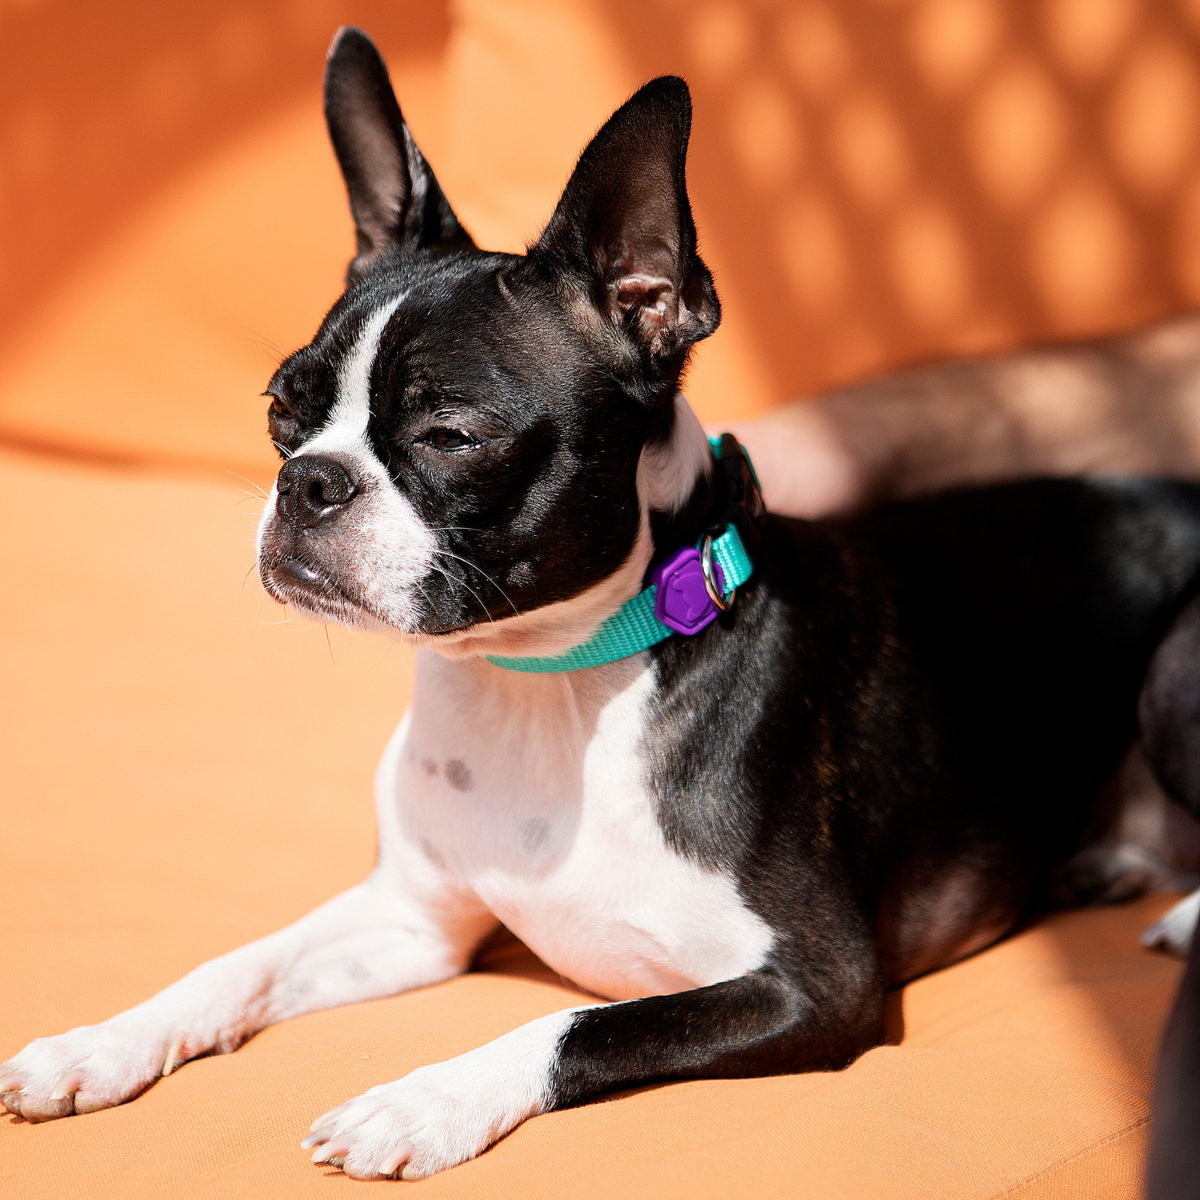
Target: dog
<point x="736" y="774"/>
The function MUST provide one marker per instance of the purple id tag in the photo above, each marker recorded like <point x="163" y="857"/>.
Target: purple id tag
<point x="681" y="601"/>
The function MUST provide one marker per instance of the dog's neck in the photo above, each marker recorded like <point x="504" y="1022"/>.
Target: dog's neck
<point x="673" y="485"/>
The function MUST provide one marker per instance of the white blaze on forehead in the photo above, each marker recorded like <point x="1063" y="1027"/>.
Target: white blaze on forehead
<point x="379" y="549"/>
<point x="346" y="426"/>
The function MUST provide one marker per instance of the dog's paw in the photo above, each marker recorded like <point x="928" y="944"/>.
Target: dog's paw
<point x="86" y="1069"/>
<point x="445" y="1114"/>
<point x="412" y="1128"/>
<point x="1174" y="932"/>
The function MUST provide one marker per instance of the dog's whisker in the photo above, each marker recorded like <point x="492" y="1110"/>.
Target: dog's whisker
<point x="475" y="567"/>
<point x="258" y="490"/>
<point x="263" y="342"/>
<point x="463" y="583"/>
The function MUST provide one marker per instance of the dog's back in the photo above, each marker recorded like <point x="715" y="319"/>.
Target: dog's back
<point x="924" y="701"/>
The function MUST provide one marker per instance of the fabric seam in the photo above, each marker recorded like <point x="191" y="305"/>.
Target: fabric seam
<point x="1112" y="1139"/>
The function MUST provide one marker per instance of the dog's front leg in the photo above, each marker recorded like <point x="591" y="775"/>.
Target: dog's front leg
<point x="375" y="940"/>
<point x="441" y="1115"/>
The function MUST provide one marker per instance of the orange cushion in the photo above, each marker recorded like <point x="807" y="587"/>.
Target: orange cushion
<point x="185" y="770"/>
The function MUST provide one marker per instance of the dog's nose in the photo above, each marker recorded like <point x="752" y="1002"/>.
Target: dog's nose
<point x="311" y="489"/>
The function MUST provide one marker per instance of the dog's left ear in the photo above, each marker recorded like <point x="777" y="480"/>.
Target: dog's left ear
<point x="394" y="196"/>
<point x="623" y="230"/>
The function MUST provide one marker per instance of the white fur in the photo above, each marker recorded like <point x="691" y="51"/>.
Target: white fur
<point x="353" y="408"/>
<point x="443" y="1114"/>
<point x="382" y="550"/>
<point x="667" y="472"/>
<point x="1176" y="930"/>
<point x="556" y="832"/>
<point x="502" y="796"/>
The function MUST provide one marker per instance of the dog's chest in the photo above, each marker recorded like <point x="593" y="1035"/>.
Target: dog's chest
<point x="531" y="791"/>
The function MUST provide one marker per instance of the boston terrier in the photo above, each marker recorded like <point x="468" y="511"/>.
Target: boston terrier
<point x="733" y="774"/>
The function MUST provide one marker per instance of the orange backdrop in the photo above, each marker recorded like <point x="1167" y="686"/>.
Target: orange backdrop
<point x="876" y="182"/>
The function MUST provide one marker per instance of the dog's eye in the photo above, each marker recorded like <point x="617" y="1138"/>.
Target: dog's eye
<point x="443" y="438"/>
<point x="283" y="426"/>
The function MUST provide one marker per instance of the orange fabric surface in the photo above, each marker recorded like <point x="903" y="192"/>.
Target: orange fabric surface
<point x="875" y="181"/>
<point x="184" y="772"/>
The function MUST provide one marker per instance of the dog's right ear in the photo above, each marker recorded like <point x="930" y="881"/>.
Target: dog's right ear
<point x="623" y="234"/>
<point x="394" y="196"/>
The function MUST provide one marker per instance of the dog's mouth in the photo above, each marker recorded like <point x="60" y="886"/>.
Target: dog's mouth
<point x="299" y="573"/>
<point x="302" y="584"/>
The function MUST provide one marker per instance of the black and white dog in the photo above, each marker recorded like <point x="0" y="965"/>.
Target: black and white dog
<point x="864" y="766"/>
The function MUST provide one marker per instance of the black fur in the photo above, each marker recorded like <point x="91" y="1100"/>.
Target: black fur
<point x="1169" y="715"/>
<point x="1174" y="1165"/>
<point x="897" y="731"/>
<point x="932" y="693"/>
<point x="394" y="195"/>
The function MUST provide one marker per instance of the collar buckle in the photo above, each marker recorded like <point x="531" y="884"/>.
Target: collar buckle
<point x="684" y="599"/>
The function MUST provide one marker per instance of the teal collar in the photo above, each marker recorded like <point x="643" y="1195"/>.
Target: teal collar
<point x="639" y="623"/>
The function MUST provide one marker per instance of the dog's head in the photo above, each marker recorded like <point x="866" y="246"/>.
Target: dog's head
<point x="480" y="448"/>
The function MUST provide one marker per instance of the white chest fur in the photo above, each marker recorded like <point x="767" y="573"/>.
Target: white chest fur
<point x="529" y="791"/>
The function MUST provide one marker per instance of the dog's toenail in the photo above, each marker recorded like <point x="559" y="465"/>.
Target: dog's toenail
<point x="173" y="1053"/>
<point x="331" y="1151"/>
<point x="67" y="1085"/>
<point x="391" y="1165"/>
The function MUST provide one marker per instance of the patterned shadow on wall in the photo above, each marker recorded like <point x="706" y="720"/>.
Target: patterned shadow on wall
<point x="892" y="180"/>
<point x="101" y="104"/>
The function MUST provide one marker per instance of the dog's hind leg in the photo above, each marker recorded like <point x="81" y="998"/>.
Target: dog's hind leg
<point x="1169" y="716"/>
<point x="1169" y="719"/>
<point x="1140" y="841"/>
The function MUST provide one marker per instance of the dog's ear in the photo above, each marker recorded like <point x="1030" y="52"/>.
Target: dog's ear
<point x="623" y="228"/>
<point x="394" y="196"/>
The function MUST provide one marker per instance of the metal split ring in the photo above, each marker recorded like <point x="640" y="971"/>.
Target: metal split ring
<point x="710" y="579"/>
